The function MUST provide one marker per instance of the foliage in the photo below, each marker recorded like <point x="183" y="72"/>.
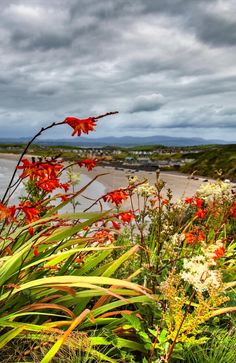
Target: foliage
<point x="147" y="283"/>
<point x="209" y="162"/>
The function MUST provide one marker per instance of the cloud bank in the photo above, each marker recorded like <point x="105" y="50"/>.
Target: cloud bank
<point x="168" y="66"/>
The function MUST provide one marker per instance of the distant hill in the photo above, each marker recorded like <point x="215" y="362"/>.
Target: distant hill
<point x="124" y="141"/>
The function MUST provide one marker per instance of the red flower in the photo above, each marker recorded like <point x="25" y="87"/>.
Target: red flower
<point x="35" y="250"/>
<point x="45" y="174"/>
<point x="103" y="236"/>
<point x="80" y="126"/>
<point x="232" y="210"/>
<point x="126" y="217"/>
<point x="31" y="211"/>
<point x="188" y="200"/>
<point x="7" y="212"/>
<point x="115" y="225"/>
<point x="29" y="169"/>
<point x="116" y="197"/>
<point x="219" y="252"/>
<point x="201" y="213"/>
<point x="88" y="163"/>
<point x="198" y="202"/>
<point x="196" y="236"/>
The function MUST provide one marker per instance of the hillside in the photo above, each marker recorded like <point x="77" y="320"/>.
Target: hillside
<point x="211" y="161"/>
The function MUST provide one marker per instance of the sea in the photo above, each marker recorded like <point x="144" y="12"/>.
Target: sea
<point x="94" y="191"/>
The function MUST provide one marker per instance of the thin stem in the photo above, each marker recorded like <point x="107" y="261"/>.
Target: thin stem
<point x="180" y="326"/>
<point x="25" y="151"/>
<point x="32" y="140"/>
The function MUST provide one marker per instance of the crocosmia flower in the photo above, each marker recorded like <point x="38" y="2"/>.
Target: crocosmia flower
<point x="7" y="213"/>
<point x="88" y="163"/>
<point x="79" y="126"/>
<point x="116" y="197"/>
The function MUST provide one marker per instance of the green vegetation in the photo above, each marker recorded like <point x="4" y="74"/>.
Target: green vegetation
<point x="152" y="282"/>
<point x="210" y="162"/>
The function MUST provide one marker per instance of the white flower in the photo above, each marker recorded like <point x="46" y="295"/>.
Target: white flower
<point x="177" y="238"/>
<point x="196" y="271"/>
<point x="145" y="190"/>
<point x="214" y="190"/>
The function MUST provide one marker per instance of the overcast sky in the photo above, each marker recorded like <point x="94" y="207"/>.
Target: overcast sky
<point x="168" y="66"/>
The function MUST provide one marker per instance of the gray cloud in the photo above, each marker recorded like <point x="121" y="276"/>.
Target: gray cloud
<point x="147" y="103"/>
<point x="84" y="57"/>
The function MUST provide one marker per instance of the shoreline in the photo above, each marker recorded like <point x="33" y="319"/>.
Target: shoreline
<point x="180" y="184"/>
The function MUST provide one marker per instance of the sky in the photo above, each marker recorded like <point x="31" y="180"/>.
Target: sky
<point x="167" y="66"/>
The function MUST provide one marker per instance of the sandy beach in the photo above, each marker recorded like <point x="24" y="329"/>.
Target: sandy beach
<point x="180" y="184"/>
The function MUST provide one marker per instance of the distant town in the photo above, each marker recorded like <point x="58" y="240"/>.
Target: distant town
<point x="206" y="160"/>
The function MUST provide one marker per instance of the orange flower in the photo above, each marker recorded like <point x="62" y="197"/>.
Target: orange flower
<point x="115" y="225"/>
<point x="88" y="163"/>
<point x="32" y="212"/>
<point x="29" y="169"/>
<point x="35" y="250"/>
<point x="45" y="174"/>
<point x="116" y="197"/>
<point x="7" y="213"/>
<point x="198" y="202"/>
<point x="188" y="200"/>
<point x="80" y="126"/>
<point x="201" y="213"/>
<point x="126" y="217"/>
<point x="196" y="236"/>
<point x="219" y="252"/>
<point x="103" y="236"/>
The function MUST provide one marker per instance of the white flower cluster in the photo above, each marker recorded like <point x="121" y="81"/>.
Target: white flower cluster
<point x="74" y="177"/>
<point x="145" y="190"/>
<point x="214" y="190"/>
<point x="196" y="271"/>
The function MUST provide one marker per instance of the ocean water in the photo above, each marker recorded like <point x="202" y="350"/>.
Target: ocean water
<point x="95" y="190"/>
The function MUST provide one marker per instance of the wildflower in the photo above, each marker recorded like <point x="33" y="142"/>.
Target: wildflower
<point x="32" y="212"/>
<point x="126" y="217"/>
<point x="219" y="252"/>
<point x="188" y="200"/>
<point x="45" y="174"/>
<point x="201" y="213"/>
<point x="145" y="190"/>
<point x="214" y="190"/>
<point x="79" y="126"/>
<point x="197" y="272"/>
<point x="213" y="252"/>
<point x="177" y="239"/>
<point x="116" y="197"/>
<point x="88" y="163"/>
<point x="198" y="203"/>
<point x="74" y="178"/>
<point x="103" y="236"/>
<point x="196" y="236"/>
<point x="29" y="169"/>
<point x="115" y="225"/>
<point x="232" y="210"/>
<point x="7" y="213"/>
<point x="35" y="251"/>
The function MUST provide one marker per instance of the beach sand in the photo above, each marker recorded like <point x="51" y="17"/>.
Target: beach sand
<point x="180" y="185"/>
